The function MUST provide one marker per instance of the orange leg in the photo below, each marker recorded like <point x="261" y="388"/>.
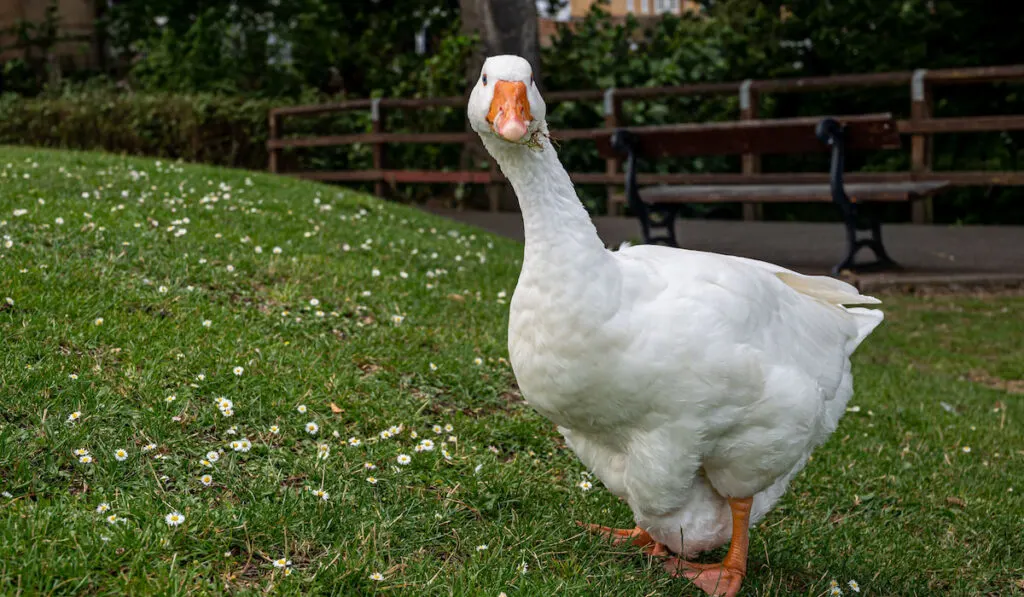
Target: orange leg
<point x="724" y="579"/>
<point x="637" y="537"/>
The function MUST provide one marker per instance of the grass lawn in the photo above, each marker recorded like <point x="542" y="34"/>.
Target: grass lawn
<point x="140" y="295"/>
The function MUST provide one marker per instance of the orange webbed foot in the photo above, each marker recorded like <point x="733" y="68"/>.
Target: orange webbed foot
<point x="635" y="536"/>
<point x="714" y="579"/>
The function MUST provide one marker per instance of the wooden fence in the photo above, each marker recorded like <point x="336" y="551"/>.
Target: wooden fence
<point x="921" y="127"/>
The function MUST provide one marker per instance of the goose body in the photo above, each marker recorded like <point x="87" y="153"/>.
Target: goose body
<point x="686" y="381"/>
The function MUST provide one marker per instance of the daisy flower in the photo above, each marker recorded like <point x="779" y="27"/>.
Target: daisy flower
<point x="242" y="445"/>
<point x="301" y="408"/>
<point x="386" y="434"/>
<point x="85" y="459"/>
<point x="312" y="428"/>
<point x="585" y="485"/>
<point x="371" y="480"/>
<point x="73" y="377"/>
<point x="478" y="361"/>
<point x="481" y="547"/>
<point x="238" y="371"/>
<point x="81" y="452"/>
<point x="207" y="323"/>
<point x="213" y="456"/>
<point x="206" y="480"/>
<point x="314" y="302"/>
<point x="75" y="415"/>
<point x="282" y="563"/>
<point x="103" y="507"/>
<point x="112" y="518"/>
<point x="437" y="429"/>
<point x="433" y="367"/>
<point x="320" y="493"/>
<point x="275" y="429"/>
<point x="277" y="250"/>
<point x="174" y="519"/>
<point x="120" y="455"/>
<point x="149" y="447"/>
<point x="323" y="451"/>
<point x="403" y="459"/>
<point x="854" y="586"/>
<point x="170" y="399"/>
<point x="354" y="441"/>
<point x="448" y="428"/>
<point x="397" y="319"/>
<point x="98" y="321"/>
<point x="377" y="576"/>
<point x="966" y="449"/>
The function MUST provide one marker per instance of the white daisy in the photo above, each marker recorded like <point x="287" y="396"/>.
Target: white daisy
<point x="238" y="371"/>
<point x="120" y="455"/>
<point x="403" y="459"/>
<point x="174" y="519"/>
<point x="206" y="480"/>
<point x="312" y="428"/>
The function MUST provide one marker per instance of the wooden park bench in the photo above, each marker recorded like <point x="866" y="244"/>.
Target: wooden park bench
<point x="658" y="206"/>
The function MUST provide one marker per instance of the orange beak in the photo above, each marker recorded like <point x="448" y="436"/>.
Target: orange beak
<point x="510" y="110"/>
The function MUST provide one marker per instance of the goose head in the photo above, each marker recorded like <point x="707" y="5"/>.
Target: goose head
<point x="505" y="102"/>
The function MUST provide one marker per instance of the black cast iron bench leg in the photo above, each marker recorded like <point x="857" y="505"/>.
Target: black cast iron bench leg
<point x="650" y="216"/>
<point x="831" y="132"/>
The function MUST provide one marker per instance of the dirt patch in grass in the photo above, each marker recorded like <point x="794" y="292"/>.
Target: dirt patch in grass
<point x="1011" y="386"/>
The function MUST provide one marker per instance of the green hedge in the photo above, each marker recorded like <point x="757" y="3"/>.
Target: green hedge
<point x="210" y="129"/>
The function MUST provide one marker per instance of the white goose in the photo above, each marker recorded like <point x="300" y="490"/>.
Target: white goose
<point x="694" y="385"/>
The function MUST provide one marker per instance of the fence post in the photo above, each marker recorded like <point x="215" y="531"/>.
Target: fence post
<point x="612" y="112"/>
<point x="274" y="133"/>
<point x="751" y="161"/>
<point x="377" y="126"/>
<point x="921" y="105"/>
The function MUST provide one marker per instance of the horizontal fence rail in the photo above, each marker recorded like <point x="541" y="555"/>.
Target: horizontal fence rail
<point x="920" y="127"/>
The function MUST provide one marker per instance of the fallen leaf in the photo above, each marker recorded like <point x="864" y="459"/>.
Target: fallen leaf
<point x="955" y="501"/>
<point x="335" y="409"/>
<point x="456" y="297"/>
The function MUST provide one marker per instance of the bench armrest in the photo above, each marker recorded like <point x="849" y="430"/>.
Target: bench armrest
<point x="625" y="143"/>
<point x="831" y="133"/>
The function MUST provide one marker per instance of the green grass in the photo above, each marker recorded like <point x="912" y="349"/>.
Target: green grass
<point x="893" y="500"/>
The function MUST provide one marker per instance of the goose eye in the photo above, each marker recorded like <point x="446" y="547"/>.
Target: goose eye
<point x="484" y="79"/>
<point x="531" y="79"/>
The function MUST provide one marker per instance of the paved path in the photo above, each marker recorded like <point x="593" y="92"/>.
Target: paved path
<point x="965" y="254"/>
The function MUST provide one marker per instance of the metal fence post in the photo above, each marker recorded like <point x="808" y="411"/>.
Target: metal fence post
<point x="377" y="126"/>
<point x="274" y="155"/>
<point x="921" y="144"/>
<point x="612" y="112"/>
<point x="751" y="161"/>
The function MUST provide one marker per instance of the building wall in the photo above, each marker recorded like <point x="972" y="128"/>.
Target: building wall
<point x="619" y="8"/>
<point x="76" y="19"/>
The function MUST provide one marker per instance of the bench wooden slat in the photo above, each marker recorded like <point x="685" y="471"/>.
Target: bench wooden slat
<point x="766" y="136"/>
<point x="790" y="193"/>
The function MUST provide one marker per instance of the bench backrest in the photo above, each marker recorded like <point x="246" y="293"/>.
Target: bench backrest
<point x="767" y="136"/>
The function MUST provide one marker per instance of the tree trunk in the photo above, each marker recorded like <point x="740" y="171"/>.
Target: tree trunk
<point x="504" y="27"/>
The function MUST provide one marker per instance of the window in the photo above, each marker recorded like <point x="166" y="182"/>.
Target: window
<point x="645" y="6"/>
<point x="631" y="6"/>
